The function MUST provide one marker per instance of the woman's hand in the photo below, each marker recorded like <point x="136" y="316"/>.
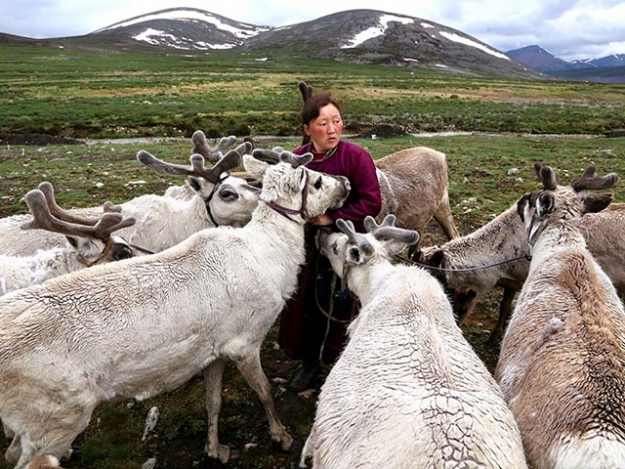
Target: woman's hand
<point x="322" y="220"/>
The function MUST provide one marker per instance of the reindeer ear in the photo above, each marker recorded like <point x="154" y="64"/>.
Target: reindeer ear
<point x="521" y="205"/>
<point x="544" y="203"/>
<point x="353" y="256"/>
<point x="254" y="167"/>
<point x="194" y="183"/>
<point x="596" y="202"/>
<point x="73" y="241"/>
<point x="437" y="258"/>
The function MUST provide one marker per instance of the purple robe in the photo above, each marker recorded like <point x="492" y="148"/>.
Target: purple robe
<point x="353" y="162"/>
<point x="303" y="326"/>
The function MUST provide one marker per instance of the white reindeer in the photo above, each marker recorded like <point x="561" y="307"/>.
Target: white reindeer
<point x="145" y="325"/>
<point x="162" y="221"/>
<point x="562" y="361"/>
<point x="90" y="242"/>
<point x="408" y="391"/>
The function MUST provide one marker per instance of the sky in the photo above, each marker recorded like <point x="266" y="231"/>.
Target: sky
<point x="569" y="29"/>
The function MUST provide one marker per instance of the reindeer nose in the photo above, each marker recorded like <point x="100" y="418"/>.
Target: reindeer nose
<point x="346" y="184"/>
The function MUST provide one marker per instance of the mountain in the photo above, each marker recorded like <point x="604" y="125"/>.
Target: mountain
<point x="363" y="36"/>
<point x="614" y="60"/>
<point x="183" y="28"/>
<point x="610" y="69"/>
<point x="539" y="59"/>
<point x="370" y="36"/>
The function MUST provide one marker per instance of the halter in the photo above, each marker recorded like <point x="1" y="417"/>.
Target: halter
<point x="219" y="182"/>
<point x="107" y="248"/>
<point x="285" y="211"/>
<point x="138" y="248"/>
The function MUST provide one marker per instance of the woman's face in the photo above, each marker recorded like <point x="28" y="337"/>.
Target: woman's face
<point x="325" y="131"/>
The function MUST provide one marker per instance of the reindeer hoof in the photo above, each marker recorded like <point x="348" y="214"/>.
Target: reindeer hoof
<point x="296" y="446"/>
<point x="285" y="441"/>
<point x="221" y="452"/>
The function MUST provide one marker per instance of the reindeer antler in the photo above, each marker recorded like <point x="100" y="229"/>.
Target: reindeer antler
<point x="250" y="140"/>
<point x="305" y="89"/>
<point x="371" y="226"/>
<point x="212" y="154"/>
<point x="48" y="190"/>
<point x="268" y="156"/>
<point x="347" y="227"/>
<point x="228" y="162"/>
<point x="38" y="204"/>
<point x="387" y="230"/>
<point x="547" y="176"/>
<point x="587" y="181"/>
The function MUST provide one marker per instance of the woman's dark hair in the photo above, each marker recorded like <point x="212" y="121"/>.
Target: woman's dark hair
<point x="311" y="107"/>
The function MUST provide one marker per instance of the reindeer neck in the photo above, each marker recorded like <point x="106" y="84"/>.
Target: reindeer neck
<point x="277" y="231"/>
<point x="556" y="236"/>
<point x="366" y="280"/>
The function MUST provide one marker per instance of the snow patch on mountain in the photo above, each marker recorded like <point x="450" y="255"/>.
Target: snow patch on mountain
<point x="191" y="15"/>
<point x="469" y="42"/>
<point x="376" y="31"/>
<point x="155" y="37"/>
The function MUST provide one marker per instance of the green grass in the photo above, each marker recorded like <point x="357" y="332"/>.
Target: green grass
<point x="80" y="93"/>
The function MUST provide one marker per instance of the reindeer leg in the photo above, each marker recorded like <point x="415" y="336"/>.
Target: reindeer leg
<point x="213" y="375"/>
<point x="445" y="219"/>
<point x="505" y="308"/>
<point x="252" y="371"/>
<point x="14" y="451"/>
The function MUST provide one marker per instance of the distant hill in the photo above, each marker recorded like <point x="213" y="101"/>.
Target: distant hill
<point x="370" y="36"/>
<point x="362" y="36"/>
<point x="610" y="69"/>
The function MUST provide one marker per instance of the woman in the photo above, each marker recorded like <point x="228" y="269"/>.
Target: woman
<point x="306" y="334"/>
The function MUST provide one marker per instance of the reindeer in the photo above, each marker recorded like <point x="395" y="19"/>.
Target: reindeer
<point x="90" y="242"/>
<point x="562" y="361"/>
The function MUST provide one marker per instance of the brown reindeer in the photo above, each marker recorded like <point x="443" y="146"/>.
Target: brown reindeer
<point x="496" y="255"/>
<point x="562" y="361"/>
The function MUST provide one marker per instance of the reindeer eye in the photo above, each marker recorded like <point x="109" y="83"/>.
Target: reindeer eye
<point x="123" y="253"/>
<point x="354" y="253"/>
<point x="318" y="183"/>
<point x="228" y="195"/>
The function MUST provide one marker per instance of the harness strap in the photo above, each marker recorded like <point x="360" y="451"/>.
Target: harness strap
<point x="526" y="257"/>
<point x="212" y="194"/>
<point x="107" y="248"/>
<point x="285" y="211"/>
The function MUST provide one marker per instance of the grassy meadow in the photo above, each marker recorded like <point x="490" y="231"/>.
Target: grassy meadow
<point x="95" y="95"/>
<point x="89" y="94"/>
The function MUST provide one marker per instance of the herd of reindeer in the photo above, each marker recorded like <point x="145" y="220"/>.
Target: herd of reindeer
<point x="132" y="300"/>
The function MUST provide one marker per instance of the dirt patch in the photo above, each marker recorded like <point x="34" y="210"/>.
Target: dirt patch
<point x="615" y="133"/>
<point x="38" y="139"/>
<point x="381" y="131"/>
